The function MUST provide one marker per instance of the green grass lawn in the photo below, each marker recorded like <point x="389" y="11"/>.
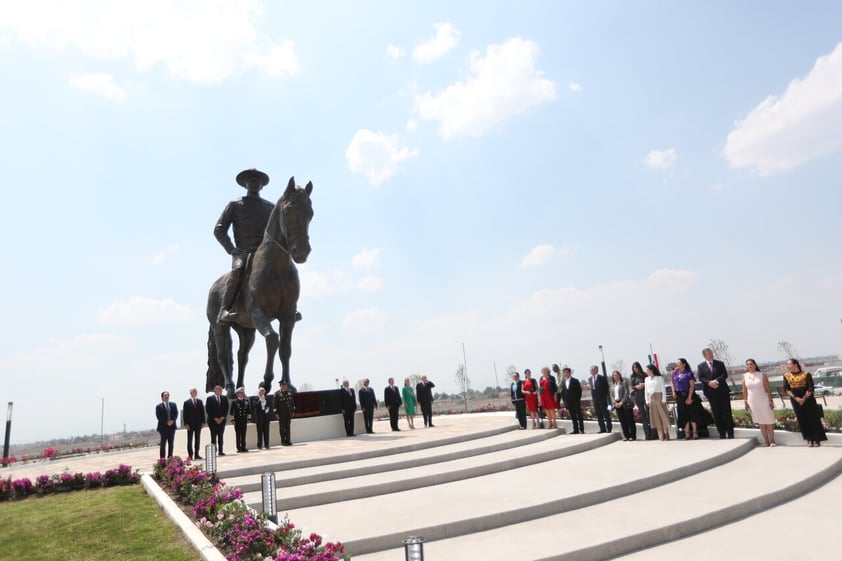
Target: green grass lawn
<point x="119" y="523"/>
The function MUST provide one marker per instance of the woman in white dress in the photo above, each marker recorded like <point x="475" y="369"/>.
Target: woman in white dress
<point x="655" y="392"/>
<point x="759" y="402"/>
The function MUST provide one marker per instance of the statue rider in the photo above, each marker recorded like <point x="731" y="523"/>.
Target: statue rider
<point x="249" y="216"/>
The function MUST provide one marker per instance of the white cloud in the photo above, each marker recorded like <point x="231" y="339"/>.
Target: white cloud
<point x="367" y="258"/>
<point x="315" y="284"/>
<point x="100" y="84"/>
<point x="276" y="61"/>
<point x="575" y="87"/>
<point x="801" y="125"/>
<point x="367" y="320"/>
<point x="394" y="52"/>
<point x="411" y="125"/>
<point x="543" y="254"/>
<point x="200" y="41"/>
<point x="138" y="310"/>
<point x="161" y="256"/>
<point x="660" y="159"/>
<point x="447" y="37"/>
<point x="501" y="84"/>
<point x="370" y="284"/>
<point x="376" y="155"/>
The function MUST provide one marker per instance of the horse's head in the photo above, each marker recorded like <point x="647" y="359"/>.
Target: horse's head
<point x="296" y="214"/>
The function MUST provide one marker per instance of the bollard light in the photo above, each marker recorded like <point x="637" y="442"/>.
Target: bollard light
<point x="414" y="548"/>
<point x="210" y="458"/>
<point x="8" y="432"/>
<point x="267" y="484"/>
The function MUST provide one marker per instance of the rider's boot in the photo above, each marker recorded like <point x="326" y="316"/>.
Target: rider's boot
<point x="228" y="295"/>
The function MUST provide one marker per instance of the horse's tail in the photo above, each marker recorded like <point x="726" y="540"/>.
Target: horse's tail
<point x="214" y="376"/>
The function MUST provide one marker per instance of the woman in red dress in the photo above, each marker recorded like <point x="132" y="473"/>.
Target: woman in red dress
<point x="548" y="391"/>
<point x="530" y="395"/>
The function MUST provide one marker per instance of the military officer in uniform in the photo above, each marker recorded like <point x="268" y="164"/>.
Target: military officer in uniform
<point x="284" y="409"/>
<point x="241" y="409"/>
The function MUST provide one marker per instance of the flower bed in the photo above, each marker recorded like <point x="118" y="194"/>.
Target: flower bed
<point x="240" y="533"/>
<point x="46" y="484"/>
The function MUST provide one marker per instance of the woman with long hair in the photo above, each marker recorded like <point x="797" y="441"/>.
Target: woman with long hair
<point x="530" y="395"/>
<point x="799" y="387"/>
<point x="409" y="401"/>
<point x="549" y="387"/>
<point x="623" y="406"/>
<point x="637" y="388"/>
<point x="757" y="394"/>
<point x="683" y="384"/>
<point x="655" y="391"/>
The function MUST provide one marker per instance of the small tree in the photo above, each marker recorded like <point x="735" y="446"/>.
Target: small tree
<point x="721" y="351"/>
<point x="787" y="349"/>
<point x="510" y="370"/>
<point x="619" y="365"/>
<point x="305" y="387"/>
<point x="463" y="383"/>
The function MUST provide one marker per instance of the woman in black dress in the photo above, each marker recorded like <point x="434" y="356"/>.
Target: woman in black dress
<point x="799" y="387"/>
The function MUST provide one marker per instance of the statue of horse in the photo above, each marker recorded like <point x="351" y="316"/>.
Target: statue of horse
<point x="269" y="292"/>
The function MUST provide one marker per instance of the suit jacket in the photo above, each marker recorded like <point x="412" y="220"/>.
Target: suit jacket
<point x="625" y="394"/>
<point x="600" y="390"/>
<point x="719" y="373"/>
<point x="348" y="399"/>
<point x="260" y="414"/>
<point x="192" y="416"/>
<point x="392" y="396"/>
<point x="161" y="414"/>
<point x="424" y="392"/>
<point x="367" y="398"/>
<point x="213" y="410"/>
<point x="517" y="390"/>
<point x="573" y="394"/>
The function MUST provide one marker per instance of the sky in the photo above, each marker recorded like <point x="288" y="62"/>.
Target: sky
<point x="527" y="180"/>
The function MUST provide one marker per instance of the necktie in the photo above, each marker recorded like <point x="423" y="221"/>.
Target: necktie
<point x="169" y="412"/>
<point x="194" y="403"/>
<point x="218" y="402"/>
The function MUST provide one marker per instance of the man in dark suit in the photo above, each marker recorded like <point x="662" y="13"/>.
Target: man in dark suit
<point x="392" y="399"/>
<point x="713" y="376"/>
<point x="518" y="400"/>
<point x="424" y="394"/>
<point x="348" y="402"/>
<point x="368" y="403"/>
<point x="193" y="417"/>
<point x="599" y="398"/>
<point x="241" y="409"/>
<point x="167" y="414"/>
<point x="216" y="406"/>
<point x="262" y="414"/>
<point x="571" y="394"/>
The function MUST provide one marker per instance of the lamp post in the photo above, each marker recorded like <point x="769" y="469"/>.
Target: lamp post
<point x="267" y="485"/>
<point x="604" y="370"/>
<point x="414" y="548"/>
<point x="210" y="458"/>
<point x="8" y="433"/>
<point x="102" y="423"/>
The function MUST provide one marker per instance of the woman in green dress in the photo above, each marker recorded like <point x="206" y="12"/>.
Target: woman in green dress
<point x="408" y="397"/>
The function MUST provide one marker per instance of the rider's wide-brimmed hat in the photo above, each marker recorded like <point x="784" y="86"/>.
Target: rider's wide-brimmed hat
<point x="246" y="174"/>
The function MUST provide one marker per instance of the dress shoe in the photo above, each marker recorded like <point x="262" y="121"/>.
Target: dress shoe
<point x="221" y="454"/>
<point x="198" y="457"/>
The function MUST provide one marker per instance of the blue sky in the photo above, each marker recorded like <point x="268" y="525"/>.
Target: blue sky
<point x="532" y="180"/>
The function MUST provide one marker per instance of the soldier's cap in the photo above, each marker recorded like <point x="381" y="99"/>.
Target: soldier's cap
<point x="283" y="382"/>
<point x="239" y="390"/>
<point x="250" y="173"/>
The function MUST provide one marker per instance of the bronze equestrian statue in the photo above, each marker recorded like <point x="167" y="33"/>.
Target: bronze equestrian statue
<point x="263" y="284"/>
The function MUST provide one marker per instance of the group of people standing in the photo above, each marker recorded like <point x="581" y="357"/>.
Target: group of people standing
<point x="215" y="412"/>
<point x="646" y="390"/>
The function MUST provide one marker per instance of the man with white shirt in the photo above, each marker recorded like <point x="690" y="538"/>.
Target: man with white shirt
<point x="348" y="401"/>
<point x="571" y="394"/>
<point x="193" y="416"/>
<point x="599" y="397"/>
<point x="368" y="403"/>
<point x="713" y="376"/>
<point x="166" y="413"/>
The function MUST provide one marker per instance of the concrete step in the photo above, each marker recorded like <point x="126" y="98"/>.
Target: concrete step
<point x="431" y="474"/>
<point x="491" y="501"/>
<point x="751" y="484"/>
<point x="817" y="540"/>
<point x="365" y="446"/>
<point x="434" y="453"/>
